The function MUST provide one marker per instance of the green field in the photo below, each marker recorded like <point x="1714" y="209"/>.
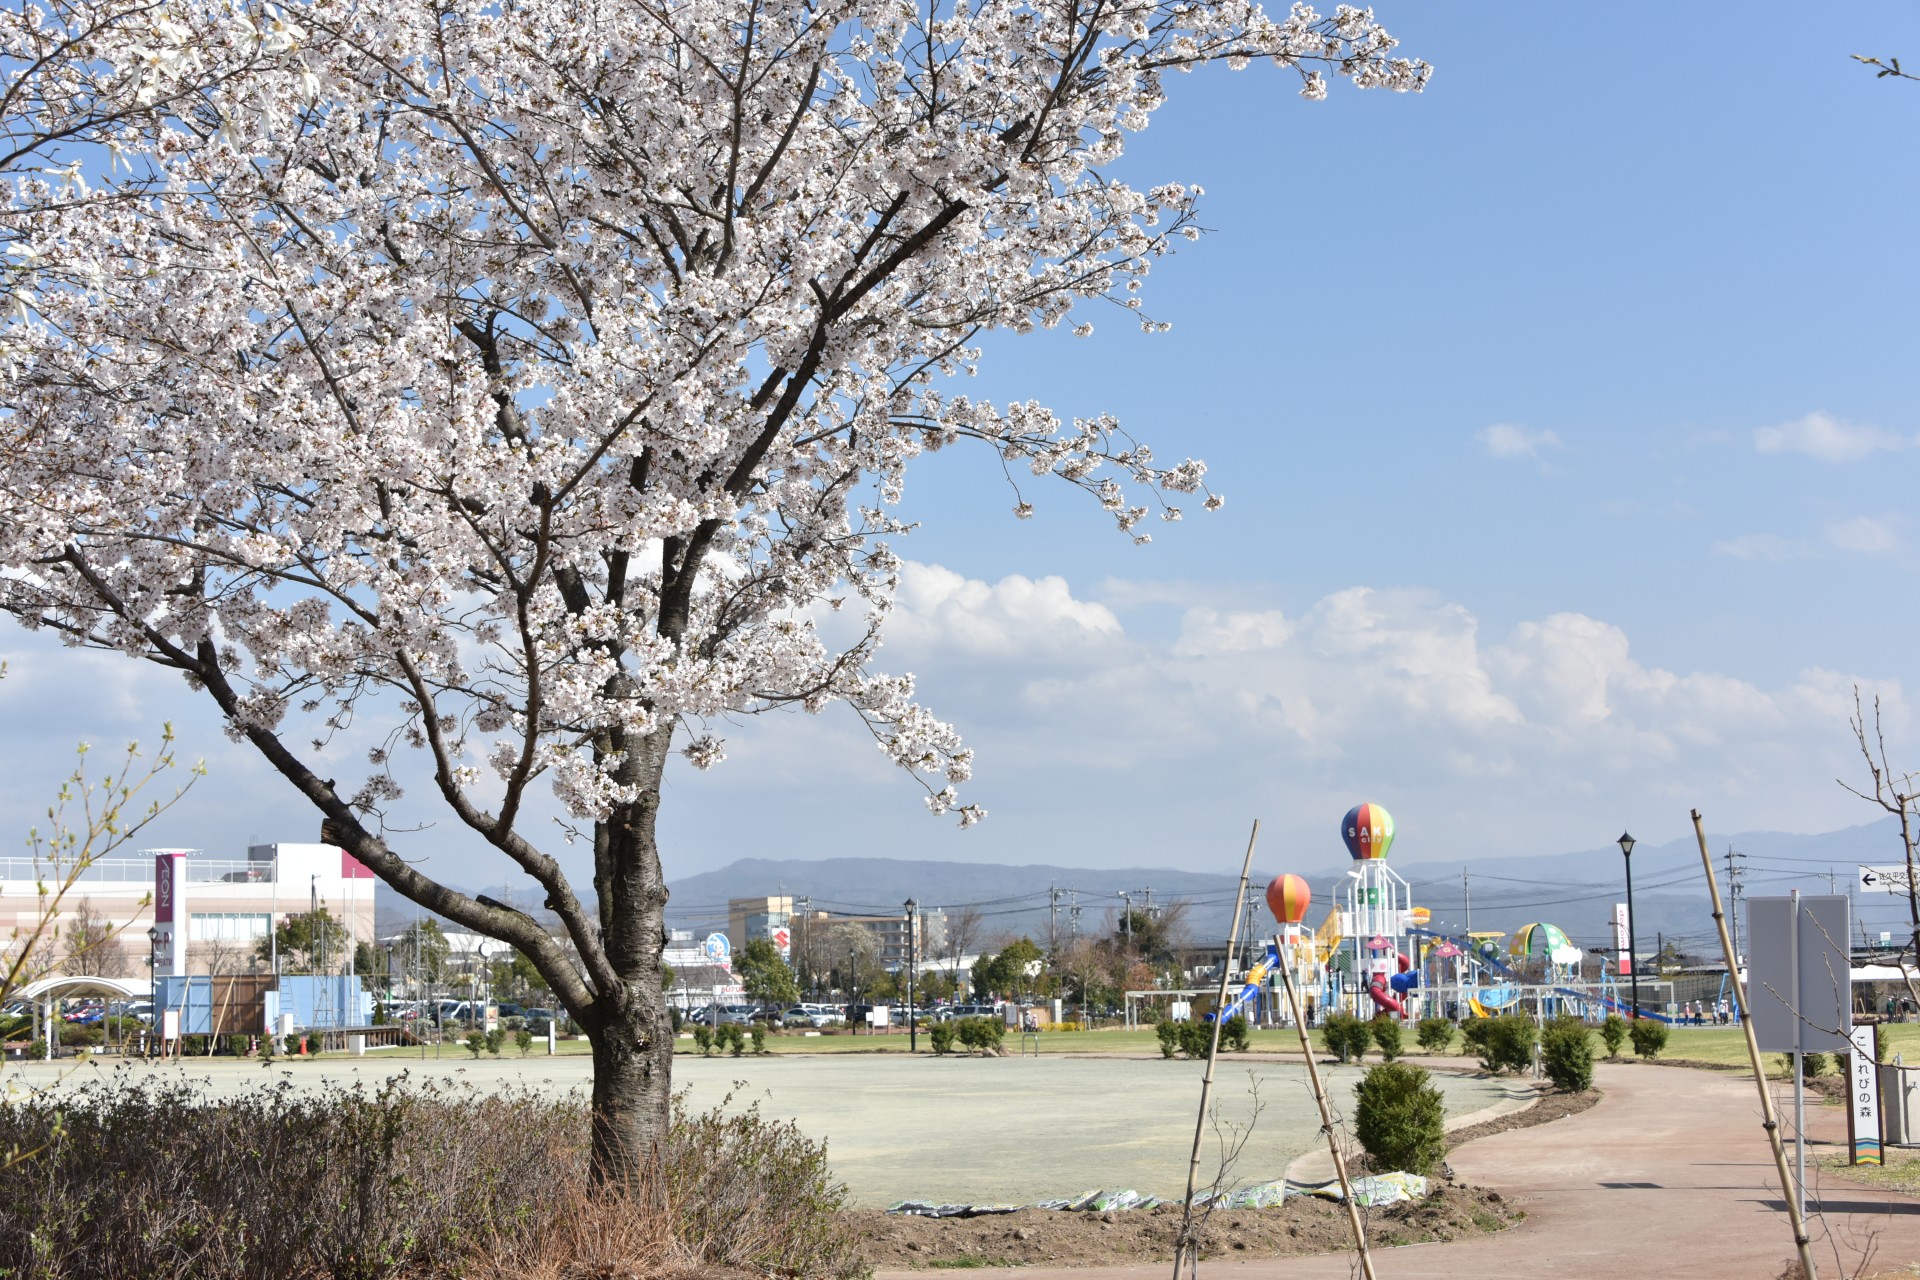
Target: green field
<point x="1720" y="1045"/>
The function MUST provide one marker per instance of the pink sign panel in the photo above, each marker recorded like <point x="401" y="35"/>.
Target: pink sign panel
<point x="351" y="868"/>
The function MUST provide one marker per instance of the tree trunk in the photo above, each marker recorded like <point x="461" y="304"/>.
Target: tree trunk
<point x="632" y="1092"/>
<point x="630" y="1031"/>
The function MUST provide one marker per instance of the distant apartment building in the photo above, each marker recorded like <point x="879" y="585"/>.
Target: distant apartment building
<point x="230" y="906"/>
<point x="751" y="919"/>
<point x="890" y="934"/>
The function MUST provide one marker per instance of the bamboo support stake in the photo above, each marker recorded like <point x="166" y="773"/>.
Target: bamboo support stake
<point x="1185" y="1247"/>
<point x="1769" y="1121"/>
<point x="1326" y="1123"/>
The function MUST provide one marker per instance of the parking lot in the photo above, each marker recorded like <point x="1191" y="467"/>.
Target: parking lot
<point x="985" y="1129"/>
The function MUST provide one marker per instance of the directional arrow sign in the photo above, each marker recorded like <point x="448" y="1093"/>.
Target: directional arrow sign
<point x="1887" y="879"/>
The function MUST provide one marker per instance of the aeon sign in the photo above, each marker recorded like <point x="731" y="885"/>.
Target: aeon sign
<point x="170" y="913"/>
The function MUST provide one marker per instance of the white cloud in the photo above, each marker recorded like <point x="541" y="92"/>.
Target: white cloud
<point x="1509" y="744"/>
<point x="1830" y="439"/>
<point x="1761" y="546"/>
<point x="1508" y="440"/>
<point x="1868" y="535"/>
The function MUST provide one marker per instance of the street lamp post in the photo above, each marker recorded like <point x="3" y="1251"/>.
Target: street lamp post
<point x="153" y="987"/>
<point x="1626" y="843"/>
<point x="913" y="1023"/>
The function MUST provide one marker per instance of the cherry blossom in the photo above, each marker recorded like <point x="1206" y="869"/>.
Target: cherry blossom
<point x="529" y="375"/>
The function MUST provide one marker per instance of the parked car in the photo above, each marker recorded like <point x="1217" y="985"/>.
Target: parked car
<point x="805" y="1015"/>
<point x="737" y="1015"/>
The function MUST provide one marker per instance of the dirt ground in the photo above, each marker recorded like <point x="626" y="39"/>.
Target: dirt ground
<point x="1552" y="1106"/>
<point x="1302" y="1225"/>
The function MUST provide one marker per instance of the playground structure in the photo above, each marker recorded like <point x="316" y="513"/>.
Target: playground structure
<point x="1375" y="955"/>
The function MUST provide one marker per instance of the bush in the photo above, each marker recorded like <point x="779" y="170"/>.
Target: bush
<point x="759" y="1034"/>
<point x="940" y="1035"/>
<point x="1813" y="1065"/>
<point x="1613" y="1034"/>
<point x="1386" y="1035"/>
<point x="703" y="1040"/>
<point x="1236" y="1034"/>
<point x="980" y="1035"/>
<point x="1506" y="1043"/>
<point x="1347" y="1037"/>
<point x="1167" y="1032"/>
<point x="1649" y="1037"/>
<point x="1434" y="1034"/>
<point x="523" y="1041"/>
<point x="1567" y="1055"/>
<point x="496" y="1040"/>
<point x="476" y="1041"/>
<point x="1400" y="1119"/>
<point x="733" y="1038"/>
<point x="1196" y="1038"/>
<point x="410" y="1181"/>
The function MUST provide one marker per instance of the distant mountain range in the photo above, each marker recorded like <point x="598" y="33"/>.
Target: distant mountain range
<point x="1574" y="890"/>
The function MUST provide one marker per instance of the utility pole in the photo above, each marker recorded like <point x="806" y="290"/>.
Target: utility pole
<point x="1126" y="915"/>
<point x="1149" y="893"/>
<point x="1053" y="918"/>
<point x="1466" y="896"/>
<point x="1073" y="912"/>
<point x="1734" y="894"/>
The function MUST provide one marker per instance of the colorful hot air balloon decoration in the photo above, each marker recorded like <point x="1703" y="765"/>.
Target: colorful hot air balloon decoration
<point x="1368" y="832"/>
<point x="1287" y="898"/>
<point x="1543" y="940"/>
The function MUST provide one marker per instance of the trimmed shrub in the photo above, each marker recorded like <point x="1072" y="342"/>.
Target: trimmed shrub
<point x="1196" y="1038"/>
<point x="1347" y="1036"/>
<point x="1567" y="1055"/>
<point x="940" y="1035"/>
<point x="1434" y="1034"/>
<point x="703" y="1040"/>
<point x="1400" y="1119"/>
<point x="496" y="1040"/>
<point x="734" y="1038"/>
<point x="523" y="1041"/>
<point x="981" y="1035"/>
<point x="1507" y="1043"/>
<point x="1813" y="1065"/>
<point x="1613" y="1034"/>
<point x="403" y="1181"/>
<point x="1236" y="1034"/>
<point x="1386" y="1036"/>
<point x="1167" y="1032"/>
<point x="759" y="1035"/>
<point x="1649" y="1037"/>
<point x="476" y="1041"/>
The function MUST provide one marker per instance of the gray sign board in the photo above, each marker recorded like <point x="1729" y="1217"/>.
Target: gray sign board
<point x="1799" y="973"/>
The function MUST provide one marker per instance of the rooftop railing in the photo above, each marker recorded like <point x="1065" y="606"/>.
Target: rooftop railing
<point x="138" y="871"/>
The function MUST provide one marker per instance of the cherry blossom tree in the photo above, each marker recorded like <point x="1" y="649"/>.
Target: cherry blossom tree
<point x="531" y="379"/>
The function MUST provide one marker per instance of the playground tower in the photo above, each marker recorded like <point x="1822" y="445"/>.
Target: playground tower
<point x="1378" y="903"/>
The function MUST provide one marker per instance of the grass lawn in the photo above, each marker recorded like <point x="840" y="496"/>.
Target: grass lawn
<point x="1900" y="1173"/>
<point x="1723" y="1045"/>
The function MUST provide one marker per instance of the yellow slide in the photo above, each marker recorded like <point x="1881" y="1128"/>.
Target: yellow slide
<point x="1327" y="937"/>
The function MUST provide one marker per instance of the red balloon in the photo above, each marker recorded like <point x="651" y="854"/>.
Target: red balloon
<point x="1287" y="898"/>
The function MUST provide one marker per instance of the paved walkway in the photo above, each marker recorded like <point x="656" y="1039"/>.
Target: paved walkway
<point x="1669" y="1176"/>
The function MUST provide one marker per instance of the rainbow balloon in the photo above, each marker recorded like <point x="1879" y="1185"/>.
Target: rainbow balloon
<point x="1368" y="832"/>
<point x="1287" y="898"/>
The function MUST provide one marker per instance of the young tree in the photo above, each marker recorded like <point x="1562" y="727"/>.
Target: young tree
<point x="1899" y="795"/>
<point x="90" y="946"/>
<point x="311" y="942"/>
<point x="764" y="974"/>
<point x="528" y="375"/>
<point x="90" y="819"/>
<point x="963" y="934"/>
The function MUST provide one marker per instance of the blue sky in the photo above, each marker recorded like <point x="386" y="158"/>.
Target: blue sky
<point x="1565" y="416"/>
